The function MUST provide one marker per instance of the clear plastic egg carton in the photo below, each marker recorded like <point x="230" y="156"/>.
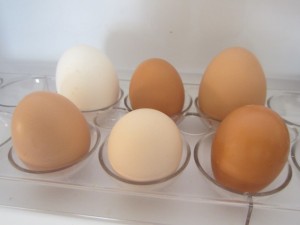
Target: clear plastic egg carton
<point x="86" y="190"/>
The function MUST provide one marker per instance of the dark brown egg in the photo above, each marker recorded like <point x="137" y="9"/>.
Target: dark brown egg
<point x="250" y="148"/>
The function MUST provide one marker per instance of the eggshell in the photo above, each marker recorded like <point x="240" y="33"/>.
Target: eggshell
<point x="156" y="84"/>
<point x="48" y="131"/>
<point x="250" y="148"/>
<point x="145" y="145"/>
<point x="87" y="77"/>
<point x="234" y="78"/>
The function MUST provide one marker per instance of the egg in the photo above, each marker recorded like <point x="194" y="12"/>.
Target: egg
<point x="87" y="77"/>
<point x="48" y="131"/>
<point x="156" y="84"/>
<point x="145" y="145"/>
<point x="250" y="148"/>
<point x="234" y="78"/>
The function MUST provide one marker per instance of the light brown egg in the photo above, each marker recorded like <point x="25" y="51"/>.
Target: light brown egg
<point x="250" y="148"/>
<point x="234" y="78"/>
<point x="156" y="84"/>
<point x="49" y="132"/>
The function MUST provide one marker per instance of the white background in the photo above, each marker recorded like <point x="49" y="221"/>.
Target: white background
<point x="187" y="33"/>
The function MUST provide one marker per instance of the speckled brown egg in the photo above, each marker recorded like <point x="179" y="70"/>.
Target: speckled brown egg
<point x="156" y="84"/>
<point x="233" y="78"/>
<point x="250" y="148"/>
<point x="49" y="132"/>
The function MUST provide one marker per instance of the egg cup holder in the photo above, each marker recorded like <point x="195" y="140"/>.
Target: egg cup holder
<point x="15" y="90"/>
<point x="73" y="167"/>
<point x="196" y="123"/>
<point x="108" y="116"/>
<point x="5" y="119"/>
<point x="144" y="185"/>
<point x="295" y="154"/>
<point x="87" y="189"/>
<point x="202" y="157"/>
<point x="176" y="118"/>
<point x="287" y="105"/>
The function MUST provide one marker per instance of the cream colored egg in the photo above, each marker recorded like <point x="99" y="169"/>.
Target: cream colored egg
<point x="145" y="145"/>
<point x="234" y="78"/>
<point x="87" y="77"/>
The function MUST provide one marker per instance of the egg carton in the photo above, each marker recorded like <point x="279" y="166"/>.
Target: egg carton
<point x="87" y="190"/>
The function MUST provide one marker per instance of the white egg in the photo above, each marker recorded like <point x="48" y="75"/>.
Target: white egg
<point x="87" y="77"/>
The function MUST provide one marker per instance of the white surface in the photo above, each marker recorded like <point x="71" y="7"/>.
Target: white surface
<point x="18" y="216"/>
<point x="187" y="33"/>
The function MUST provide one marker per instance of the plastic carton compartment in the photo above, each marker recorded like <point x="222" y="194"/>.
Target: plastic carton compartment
<point x="190" y="199"/>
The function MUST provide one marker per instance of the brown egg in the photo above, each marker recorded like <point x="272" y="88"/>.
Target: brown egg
<point x="250" y="148"/>
<point x="234" y="78"/>
<point x="157" y="85"/>
<point x="48" y="131"/>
